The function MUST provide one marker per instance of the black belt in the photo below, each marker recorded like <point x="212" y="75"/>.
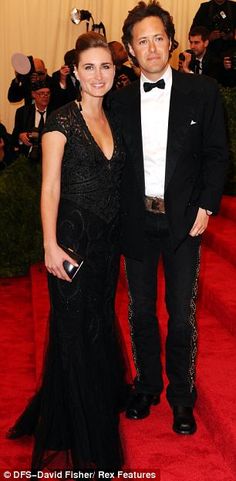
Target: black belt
<point x="156" y="205"/>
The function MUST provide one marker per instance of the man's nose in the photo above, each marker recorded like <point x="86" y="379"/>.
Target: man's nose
<point x="152" y="46"/>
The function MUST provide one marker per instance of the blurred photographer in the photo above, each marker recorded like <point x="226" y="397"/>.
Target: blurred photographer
<point x="219" y="17"/>
<point x="125" y="73"/>
<point x="30" y="120"/>
<point x="229" y="62"/>
<point x="64" y="83"/>
<point x="20" y="88"/>
<point x="200" y="59"/>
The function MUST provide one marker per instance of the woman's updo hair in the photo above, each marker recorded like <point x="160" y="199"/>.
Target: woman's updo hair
<point x="90" y="40"/>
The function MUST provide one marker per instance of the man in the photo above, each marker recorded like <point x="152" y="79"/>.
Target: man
<point x="20" y="88"/>
<point x="219" y="17"/>
<point x="30" y="120"/>
<point x="65" y="86"/>
<point x="229" y="62"/>
<point x="204" y="62"/>
<point x="173" y="180"/>
<point x="125" y="74"/>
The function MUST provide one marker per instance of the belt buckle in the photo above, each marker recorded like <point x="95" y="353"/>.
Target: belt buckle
<point x="155" y="205"/>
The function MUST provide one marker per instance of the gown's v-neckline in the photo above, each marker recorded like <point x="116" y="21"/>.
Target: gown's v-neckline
<point x="92" y="137"/>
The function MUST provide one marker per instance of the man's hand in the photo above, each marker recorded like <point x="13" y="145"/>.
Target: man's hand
<point x="184" y="64"/>
<point x="227" y="63"/>
<point x="23" y="137"/>
<point x="200" y="223"/>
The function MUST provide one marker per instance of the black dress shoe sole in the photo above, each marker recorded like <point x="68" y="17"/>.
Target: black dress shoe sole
<point x="136" y="417"/>
<point x="15" y="434"/>
<point x="183" y="431"/>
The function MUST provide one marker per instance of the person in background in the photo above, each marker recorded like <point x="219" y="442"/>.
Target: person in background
<point x="64" y="83"/>
<point x="125" y="73"/>
<point x="229" y="62"/>
<point x="21" y="85"/>
<point x="219" y="17"/>
<point x="174" y="134"/>
<point x="30" y="120"/>
<point x="75" y="415"/>
<point x="200" y="60"/>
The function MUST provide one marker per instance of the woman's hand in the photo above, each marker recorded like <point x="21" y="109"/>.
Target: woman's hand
<point x="54" y="258"/>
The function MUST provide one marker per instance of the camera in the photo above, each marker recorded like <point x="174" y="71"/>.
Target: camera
<point x="34" y="136"/>
<point x="192" y="63"/>
<point x="72" y="68"/>
<point x="35" y="150"/>
<point x="221" y="22"/>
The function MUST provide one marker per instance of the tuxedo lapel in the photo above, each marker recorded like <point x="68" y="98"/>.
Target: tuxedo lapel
<point x="29" y="117"/>
<point x="133" y="131"/>
<point x="180" y="115"/>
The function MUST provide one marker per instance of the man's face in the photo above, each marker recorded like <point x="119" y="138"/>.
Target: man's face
<point x="198" y="45"/>
<point x="151" y="47"/>
<point x="41" y="97"/>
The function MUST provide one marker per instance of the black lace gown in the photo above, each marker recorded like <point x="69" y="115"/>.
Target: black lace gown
<point x="74" y="416"/>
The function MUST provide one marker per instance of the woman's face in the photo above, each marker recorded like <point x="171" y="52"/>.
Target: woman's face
<point x="95" y="71"/>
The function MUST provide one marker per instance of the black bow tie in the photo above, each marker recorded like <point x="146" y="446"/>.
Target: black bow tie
<point x="147" y="86"/>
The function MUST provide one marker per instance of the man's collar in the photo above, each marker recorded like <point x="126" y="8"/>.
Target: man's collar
<point x="167" y="77"/>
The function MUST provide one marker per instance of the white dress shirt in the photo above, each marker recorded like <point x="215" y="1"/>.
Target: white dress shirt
<point x="38" y="116"/>
<point x="155" y="107"/>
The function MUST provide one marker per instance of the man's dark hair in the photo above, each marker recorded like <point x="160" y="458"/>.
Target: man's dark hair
<point x="199" y="30"/>
<point x="144" y="10"/>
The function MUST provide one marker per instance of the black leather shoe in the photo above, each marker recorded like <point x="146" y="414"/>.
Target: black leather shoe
<point x="139" y="405"/>
<point x="184" y="422"/>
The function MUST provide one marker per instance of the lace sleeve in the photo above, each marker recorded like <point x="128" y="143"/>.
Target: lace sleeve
<point x="58" y="121"/>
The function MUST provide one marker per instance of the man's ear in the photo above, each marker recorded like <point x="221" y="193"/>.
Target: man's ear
<point x="206" y="43"/>
<point x="131" y="50"/>
<point x="170" y="45"/>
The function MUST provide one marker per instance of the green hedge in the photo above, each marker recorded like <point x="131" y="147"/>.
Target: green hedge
<point x="20" y="228"/>
<point x="229" y="98"/>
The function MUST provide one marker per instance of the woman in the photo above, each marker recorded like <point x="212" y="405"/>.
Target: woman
<point x="75" y="414"/>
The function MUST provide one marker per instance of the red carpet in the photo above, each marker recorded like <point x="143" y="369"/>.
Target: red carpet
<point x="209" y="455"/>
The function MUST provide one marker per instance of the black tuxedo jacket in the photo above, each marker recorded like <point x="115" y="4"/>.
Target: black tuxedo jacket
<point x="212" y="65"/>
<point x="196" y="157"/>
<point x="25" y="122"/>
